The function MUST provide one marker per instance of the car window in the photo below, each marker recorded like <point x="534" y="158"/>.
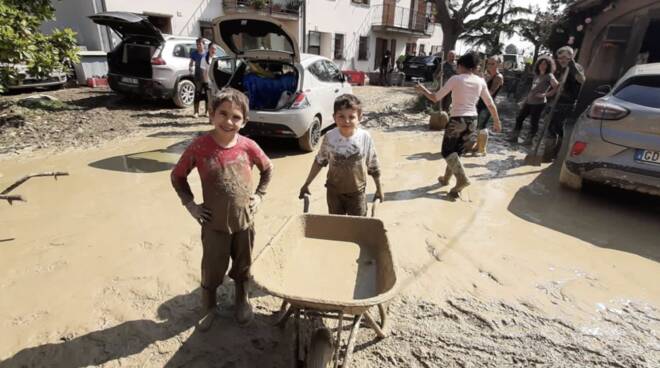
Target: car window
<point x="319" y="70"/>
<point x="183" y="50"/>
<point x="334" y="74"/>
<point x="642" y="90"/>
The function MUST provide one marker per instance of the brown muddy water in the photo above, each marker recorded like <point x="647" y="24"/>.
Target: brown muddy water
<point x="102" y="266"/>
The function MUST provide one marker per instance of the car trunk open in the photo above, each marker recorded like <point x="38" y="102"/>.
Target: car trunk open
<point x="140" y="40"/>
<point x="266" y="58"/>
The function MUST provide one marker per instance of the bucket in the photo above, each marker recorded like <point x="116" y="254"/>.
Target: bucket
<point x="438" y="120"/>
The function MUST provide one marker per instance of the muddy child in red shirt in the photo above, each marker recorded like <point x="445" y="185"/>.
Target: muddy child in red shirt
<point x="224" y="161"/>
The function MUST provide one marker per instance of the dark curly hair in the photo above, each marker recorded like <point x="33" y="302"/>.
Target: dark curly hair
<point x="348" y="101"/>
<point x="549" y="62"/>
<point x="469" y="60"/>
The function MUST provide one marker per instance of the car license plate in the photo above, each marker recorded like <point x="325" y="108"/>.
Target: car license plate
<point x="647" y="156"/>
<point x="129" y="80"/>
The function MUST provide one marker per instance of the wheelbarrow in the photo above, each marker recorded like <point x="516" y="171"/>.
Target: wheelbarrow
<point x="328" y="267"/>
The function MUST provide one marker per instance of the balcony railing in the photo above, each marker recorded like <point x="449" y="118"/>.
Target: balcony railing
<point x="390" y="17"/>
<point x="290" y="8"/>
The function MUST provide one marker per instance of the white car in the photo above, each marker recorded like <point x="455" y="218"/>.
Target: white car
<point x="291" y="94"/>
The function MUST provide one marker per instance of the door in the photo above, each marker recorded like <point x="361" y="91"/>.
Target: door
<point x="323" y="91"/>
<point x="381" y="46"/>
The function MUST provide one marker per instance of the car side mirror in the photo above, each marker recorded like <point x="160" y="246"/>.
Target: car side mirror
<point x="603" y="90"/>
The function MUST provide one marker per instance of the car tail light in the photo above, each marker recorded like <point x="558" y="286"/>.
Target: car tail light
<point x="578" y="148"/>
<point x="300" y="102"/>
<point x="158" y="61"/>
<point x="604" y="110"/>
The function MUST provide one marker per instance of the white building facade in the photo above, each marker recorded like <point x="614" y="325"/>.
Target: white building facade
<point x="353" y="33"/>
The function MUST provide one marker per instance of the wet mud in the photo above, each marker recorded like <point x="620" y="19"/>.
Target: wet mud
<point x="102" y="267"/>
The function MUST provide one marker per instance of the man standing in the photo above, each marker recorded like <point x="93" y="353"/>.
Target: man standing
<point x="448" y="71"/>
<point x="566" y="103"/>
<point x="196" y="57"/>
<point x="385" y="67"/>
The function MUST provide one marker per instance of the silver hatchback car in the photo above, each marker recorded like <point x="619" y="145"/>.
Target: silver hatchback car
<point x="617" y="139"/>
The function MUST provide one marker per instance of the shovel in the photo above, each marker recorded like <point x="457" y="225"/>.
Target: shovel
<point x="534" y="158"/>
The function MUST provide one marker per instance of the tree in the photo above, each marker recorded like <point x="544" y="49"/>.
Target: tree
<point x="500" y="17"/>
<point x="21" y="42"/>
<point x="538" y="30"/>
<point x="452" y="15"/>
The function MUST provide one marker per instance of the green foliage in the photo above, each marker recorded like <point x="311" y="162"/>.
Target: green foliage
<point x="500" y="18"/>
<point x="21" y="42"/>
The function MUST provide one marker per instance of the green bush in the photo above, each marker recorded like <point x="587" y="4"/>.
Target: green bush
<point x="21" y="42"/>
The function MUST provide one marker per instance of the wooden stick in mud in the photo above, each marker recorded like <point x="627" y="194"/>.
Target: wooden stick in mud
<point x="12" y="198"/>
<point x="22" y="180"/>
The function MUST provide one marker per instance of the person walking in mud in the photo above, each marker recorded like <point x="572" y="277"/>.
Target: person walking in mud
<point x="224" y="160"/>
<point x="466" y="88"/>
<point x="350" y="154"/>
<point x="194" y="66"/>
<point x="544" y="84"/>
<point x="566" y="103"/>
<point x="205" y="65"/>
<point x="494" y="80"/>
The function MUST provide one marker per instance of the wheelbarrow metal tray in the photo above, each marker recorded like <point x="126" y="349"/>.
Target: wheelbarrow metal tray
<point x="328" y="262"/>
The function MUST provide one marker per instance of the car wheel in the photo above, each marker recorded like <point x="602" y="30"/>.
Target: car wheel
<point x="569" y="180"/>
<point x="312" y="137"/>
<point x="184" y="95"/>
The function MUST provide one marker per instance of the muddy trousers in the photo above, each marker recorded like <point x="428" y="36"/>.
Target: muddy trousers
<point x="201" y="94"/>
<point x="217" y="248"/>
<point x="460" y="132"/>
<point x="553" y="138"/>
<point x="352" y="204"/>
<point x="534" y="111"/>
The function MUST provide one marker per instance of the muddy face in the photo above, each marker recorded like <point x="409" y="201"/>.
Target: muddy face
<point x="347" y="120"/>
<point x="227" y="119"/>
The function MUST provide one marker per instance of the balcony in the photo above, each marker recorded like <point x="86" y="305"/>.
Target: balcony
<point x="283" y="9"/>
<point x="399" y="19"/>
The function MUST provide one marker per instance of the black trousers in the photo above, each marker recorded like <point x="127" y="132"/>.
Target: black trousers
<point x="535" y="111"/>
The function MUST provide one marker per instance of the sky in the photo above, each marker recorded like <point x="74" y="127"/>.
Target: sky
<point x="516" y="40"/>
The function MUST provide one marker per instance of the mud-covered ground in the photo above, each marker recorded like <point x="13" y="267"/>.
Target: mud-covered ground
<point x="101" y="268"/>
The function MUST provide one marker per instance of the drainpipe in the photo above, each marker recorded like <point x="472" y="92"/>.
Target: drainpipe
<point x="304" y="26"/>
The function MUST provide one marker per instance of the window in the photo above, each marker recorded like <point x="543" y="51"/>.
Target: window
<point x="314" y="43"/>
<point x="363" y="51"/>
<point x="334" y="75"/>
<point x="183" y="50"/>
<point x="642" y="90"/>
<point x="319" y="70"/>
<point x="206" y="31"/>
<point x="339" y="47"/>
<point x="421" y="50"/>
<point x="361" y="2"/>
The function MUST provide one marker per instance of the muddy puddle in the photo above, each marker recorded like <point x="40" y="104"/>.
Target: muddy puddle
<point x="102" y="266"/>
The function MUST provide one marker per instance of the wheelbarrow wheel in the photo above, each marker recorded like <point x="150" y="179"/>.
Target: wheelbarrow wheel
<point x="320" y="349"/>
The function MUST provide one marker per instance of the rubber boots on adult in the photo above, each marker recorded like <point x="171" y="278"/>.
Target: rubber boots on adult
<point x="462" y="180"/>
<point x="444" y="180"/>
<point x="482" y="141"/>
<point x="243" y="308"/>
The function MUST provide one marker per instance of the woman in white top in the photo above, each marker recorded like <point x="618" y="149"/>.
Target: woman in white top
<point x="466" y="88"/>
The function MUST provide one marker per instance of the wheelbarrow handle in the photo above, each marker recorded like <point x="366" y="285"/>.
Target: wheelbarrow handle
<point x="305" y="203"/>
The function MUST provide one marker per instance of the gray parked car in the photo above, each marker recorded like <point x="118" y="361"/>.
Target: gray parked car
<point x="147" y="62"/>
<point x="617" y="139"/>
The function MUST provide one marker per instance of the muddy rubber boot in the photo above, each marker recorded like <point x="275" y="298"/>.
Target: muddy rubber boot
<point x="548" y="150"/>
<point x="529" y="140"/>
<point x="208" y="304"/>
<point x="242" y="306"/>
<point x="514" y="136"/>
<point x="444" y="180"/>
<point x="462" y="180"/>
<point x="482" y="141"/>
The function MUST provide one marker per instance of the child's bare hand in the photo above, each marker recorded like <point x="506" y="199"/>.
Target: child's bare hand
<point x="199" y="212"/>
<point x="379" y="195"/>
<point x="304" y="190"/>
<point x="255" y="201"/>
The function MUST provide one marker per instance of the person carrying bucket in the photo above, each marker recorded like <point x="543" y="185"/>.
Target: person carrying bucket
<point x="466" y="89"/>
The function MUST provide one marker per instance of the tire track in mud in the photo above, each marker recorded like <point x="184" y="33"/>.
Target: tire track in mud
<point x="466" y="332"/>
